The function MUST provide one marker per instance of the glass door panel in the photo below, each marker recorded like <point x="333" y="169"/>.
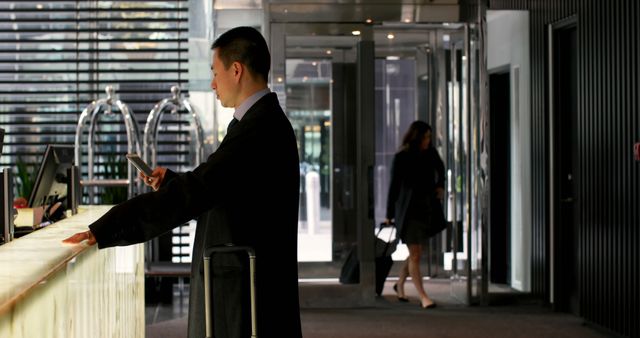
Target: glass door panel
<point x="308" y="91"/>
<point x="430" y="72"/>
<point x="395" y="91"/>
<point x="314" y="70"/>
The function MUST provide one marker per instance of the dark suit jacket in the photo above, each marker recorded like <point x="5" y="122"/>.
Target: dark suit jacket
<point x="414" y="178"/>
<point x="246" y="194"/>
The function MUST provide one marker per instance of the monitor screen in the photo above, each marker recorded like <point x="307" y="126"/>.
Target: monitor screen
<point x="51" y="183"/>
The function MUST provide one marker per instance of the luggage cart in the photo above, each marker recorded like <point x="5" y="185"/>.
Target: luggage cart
<point x="208" y="253"/>
<point x="90" y="115"/>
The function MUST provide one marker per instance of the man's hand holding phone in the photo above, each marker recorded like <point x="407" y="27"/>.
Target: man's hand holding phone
<point x="156" y="178"/>
<point x="152" y="178"/>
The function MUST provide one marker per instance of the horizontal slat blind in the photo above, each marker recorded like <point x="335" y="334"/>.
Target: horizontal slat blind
<point x="58" y="56"/>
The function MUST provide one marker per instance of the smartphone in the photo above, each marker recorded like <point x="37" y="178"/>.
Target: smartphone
<point x="139" y="164"/>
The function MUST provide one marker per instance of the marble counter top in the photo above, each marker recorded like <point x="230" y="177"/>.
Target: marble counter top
<point x="28" y="261"/>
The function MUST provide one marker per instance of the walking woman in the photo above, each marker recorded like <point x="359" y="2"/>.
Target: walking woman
<point x="417" y="185"/>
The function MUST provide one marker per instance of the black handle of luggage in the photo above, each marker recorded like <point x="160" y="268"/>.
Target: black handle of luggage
<point x="386" y="225"/>
<point x="207" y="281"/>
<point x="388" y="241"/>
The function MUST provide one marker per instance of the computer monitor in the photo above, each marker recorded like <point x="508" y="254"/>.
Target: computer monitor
<point x="51" y="183"/>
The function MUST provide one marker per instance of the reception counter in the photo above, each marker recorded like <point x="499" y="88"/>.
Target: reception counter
<point x="51" y="289"/>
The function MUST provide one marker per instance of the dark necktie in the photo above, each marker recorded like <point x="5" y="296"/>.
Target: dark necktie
<point x="231" y="124"/>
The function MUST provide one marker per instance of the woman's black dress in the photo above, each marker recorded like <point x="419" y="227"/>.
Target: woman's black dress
<point x="415" y="175"/>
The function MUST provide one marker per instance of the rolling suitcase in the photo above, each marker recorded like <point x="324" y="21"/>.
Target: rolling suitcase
<point x="208" y="311"/>
<point x="350" y="272"/>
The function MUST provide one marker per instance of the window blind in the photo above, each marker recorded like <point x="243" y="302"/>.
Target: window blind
<point x="58" y="56"/>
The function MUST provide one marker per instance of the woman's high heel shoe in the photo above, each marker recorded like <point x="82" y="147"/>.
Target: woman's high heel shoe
<point x="402" y="299"/>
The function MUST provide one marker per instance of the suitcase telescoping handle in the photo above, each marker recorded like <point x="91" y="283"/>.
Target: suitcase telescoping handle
<point x="207" y="282"/>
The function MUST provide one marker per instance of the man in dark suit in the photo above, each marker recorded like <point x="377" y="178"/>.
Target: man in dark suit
<point x="246" y="193"/>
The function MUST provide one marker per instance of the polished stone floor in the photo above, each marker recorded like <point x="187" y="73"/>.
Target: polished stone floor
<point x="390" y="318"/>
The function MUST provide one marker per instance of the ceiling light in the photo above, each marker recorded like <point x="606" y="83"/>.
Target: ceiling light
<point x="390" y="36"/>
<point x="355" y="32"/>
<point x="314" y="63"/>
<point x="328" y="51"/>
<point x="279" y="79"/>
<point x="369" y="21"/>
<point x="407" y="20"/>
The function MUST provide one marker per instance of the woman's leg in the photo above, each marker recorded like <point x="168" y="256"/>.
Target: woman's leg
<point x="415" y="250"/>
<point x="404" y="272"/>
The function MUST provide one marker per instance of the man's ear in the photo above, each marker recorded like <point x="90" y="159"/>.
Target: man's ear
<point x="238" y="69"/>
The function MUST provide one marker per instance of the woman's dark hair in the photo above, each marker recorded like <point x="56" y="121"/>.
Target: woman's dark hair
<point x="247" y="46"/>
<point x="414" y="136"/>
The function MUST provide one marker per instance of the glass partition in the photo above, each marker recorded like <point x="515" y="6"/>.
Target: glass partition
<point x="422" y="71"/>
<point x="463" y="163"/>
<point x="430" y="72"/>
<point x="395" y="92"/>
<point x="308" y="91"/>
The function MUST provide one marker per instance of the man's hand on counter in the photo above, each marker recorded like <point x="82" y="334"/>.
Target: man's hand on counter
<point x="81" y="236"/>
<point x="156" y="178"/>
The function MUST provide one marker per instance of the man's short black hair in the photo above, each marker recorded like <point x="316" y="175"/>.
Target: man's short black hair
<point x="247" y="46"/>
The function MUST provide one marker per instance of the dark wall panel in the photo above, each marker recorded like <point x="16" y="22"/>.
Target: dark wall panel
<point x="607" y="183"/>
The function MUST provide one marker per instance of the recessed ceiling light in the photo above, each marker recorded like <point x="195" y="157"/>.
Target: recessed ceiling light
<point x="390" y="36"/>
<point x="329" y="51"/>
<point x="279" y="79"/>
<point x="355" y="32"/>
<point x="369" y="21"/>
<point x="314" y="63"/>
